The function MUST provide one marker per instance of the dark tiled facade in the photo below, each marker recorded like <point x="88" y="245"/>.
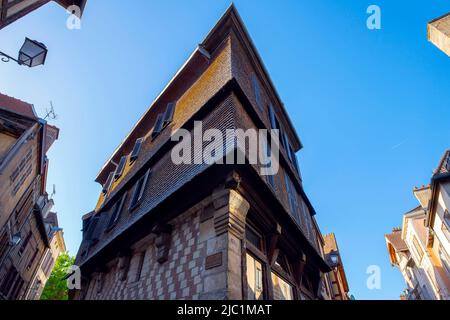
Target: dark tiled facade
<point x="205" y="231"/>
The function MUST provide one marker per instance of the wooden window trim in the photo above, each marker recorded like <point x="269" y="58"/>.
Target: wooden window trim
<point x="286" y="278"/>
<point x="108" y="182"/>
<point x="169" y="113"/>
<point x="158" y="126"/>
<point x="136" y="199"/>
<point x="120" y="167"/>
<point x="115" y="215"/>
<point x="136" y="150"/>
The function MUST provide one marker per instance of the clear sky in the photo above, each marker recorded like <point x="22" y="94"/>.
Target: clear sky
<point x="372" y="107"/>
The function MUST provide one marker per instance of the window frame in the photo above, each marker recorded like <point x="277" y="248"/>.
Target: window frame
<point x="169" y="113"/>
<point x="120" y="168"/>
<point x="116" y="213"/>
<point x="287" y="279"/>
<point x="136" y="150"/>
<point x="256" y="85"/>
<point x="136" y="199"/>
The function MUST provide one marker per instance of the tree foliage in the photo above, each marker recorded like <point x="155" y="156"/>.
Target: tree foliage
<point x="56" y="286"/>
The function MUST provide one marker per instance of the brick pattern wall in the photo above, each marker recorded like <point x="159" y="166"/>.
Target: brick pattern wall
<point x="166" y="177"/>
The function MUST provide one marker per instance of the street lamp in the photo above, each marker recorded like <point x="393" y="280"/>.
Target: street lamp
<point x="31" y="54"/>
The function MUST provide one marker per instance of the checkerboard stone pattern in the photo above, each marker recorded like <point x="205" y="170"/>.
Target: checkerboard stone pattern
<point x="213" y="227"/>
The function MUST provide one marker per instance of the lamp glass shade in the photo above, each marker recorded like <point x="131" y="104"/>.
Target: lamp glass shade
<point x="334" y="259"/>
<point x="32" y="53"/>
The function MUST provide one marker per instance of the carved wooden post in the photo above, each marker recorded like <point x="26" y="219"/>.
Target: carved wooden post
<point x="224" y="230"/>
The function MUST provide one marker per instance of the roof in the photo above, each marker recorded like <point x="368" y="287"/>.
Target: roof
<point x="423" y="195"/>
<point x="186" y="71"/>
<point x="444" y="166"/>
<point x="395" y="239"/>
<point x="17" y="106"/>
<point x="439" y="18"/>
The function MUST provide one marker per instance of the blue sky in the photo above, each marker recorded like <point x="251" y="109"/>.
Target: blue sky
<point x="371" y="107"/>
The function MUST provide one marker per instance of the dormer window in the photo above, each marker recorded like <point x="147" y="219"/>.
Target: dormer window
<point x="136" y="149"/>
<point x="108" y="182"/>
<point x="168" y="115"/>
<point x="164" y="119"/>
<point x="120" y="167"/>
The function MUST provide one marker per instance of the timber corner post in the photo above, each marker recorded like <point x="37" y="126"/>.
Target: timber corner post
<point x="222" y="227"/>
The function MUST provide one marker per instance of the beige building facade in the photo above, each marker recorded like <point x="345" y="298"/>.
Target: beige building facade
<point x="439" y="33"/>
<point x="338" y="279"/>
<point x="420" y="249"/>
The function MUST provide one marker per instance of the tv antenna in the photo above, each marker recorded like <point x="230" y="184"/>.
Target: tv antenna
<point x="50" y="113"/>
<point x="53" y="192"/>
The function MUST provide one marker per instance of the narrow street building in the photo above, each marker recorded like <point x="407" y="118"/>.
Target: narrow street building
<point x="205" y="230"/>
<point x="339" y="285"/>
<point x="420" y="249"/>
<point x="25" y="229"/>
<point x="57" y="246"/>
<point x="11" y="11"/>
<point x="439" y="33"/>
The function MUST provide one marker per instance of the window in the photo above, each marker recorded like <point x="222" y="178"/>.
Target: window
<point x="136" y="149"/>
<point x="445" y="231"/>
<point x="273" y="118"/>
<point x="115" y="215"/>
<point x="254" y="279"/>
<point x="158" y="126"/>
<point x="292" y="197"/>
<point x="25" y="243"/>
<point x="168" y="115"/>
<point x="267" y="157"/>
<point x="120" y="167"/>
<point x="418" y="248"/>
<point x="10" y="283"/>
<point x="90" y="232"/>
<point x="108" y="183"/>
<point x="141" y="260"/>
<point x="287" y="145"/>
<point x="254" y="237"/>
<point x="447" y="217"/>
<point x="33" y="258"/>
<point x="256" y="90"/>
<point x="445" y="259"/>
<point x="293" y="158"/>
<point x="24" y="209"/>
<point x="282" y="290"/>
<point x="139" y="190"/>
<point x="4" y="244"/>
